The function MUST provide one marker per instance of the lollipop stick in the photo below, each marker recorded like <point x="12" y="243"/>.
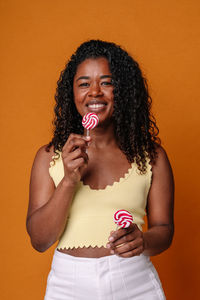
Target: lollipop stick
<point x="87" y="134"/>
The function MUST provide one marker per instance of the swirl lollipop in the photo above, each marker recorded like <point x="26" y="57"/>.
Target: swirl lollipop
<point x="123" y="218"/>
<point x="90" y="121"/>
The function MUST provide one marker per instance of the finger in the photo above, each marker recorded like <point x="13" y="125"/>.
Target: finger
<point x="134" y="235"/>
<point x="76" y="164"/>
<point x="124" y="239"/>
<point x="134" y="252"/>
<point x="80" y="144"/>
<point x="127" y="237"/>
<point x="78" y="153"/>
<point x="121" y="232"/>
<point x="74" y="136"/>
<point x="71" y="137"/>
<point x="73" y="144"/>
<point x="128" y="246"/>
<point x="132" y="248"/>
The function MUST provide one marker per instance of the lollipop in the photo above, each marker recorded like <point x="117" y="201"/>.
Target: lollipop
<point x="90" y="121"/>
<point x="123" y="218"/>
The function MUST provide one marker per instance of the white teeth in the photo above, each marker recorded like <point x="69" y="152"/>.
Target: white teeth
<point x="96" y="105"/>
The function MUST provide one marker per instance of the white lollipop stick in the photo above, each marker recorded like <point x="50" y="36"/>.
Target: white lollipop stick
<point x="87" y="132"/>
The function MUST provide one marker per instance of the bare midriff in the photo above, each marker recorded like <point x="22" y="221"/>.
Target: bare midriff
<point x="89" y="252"/>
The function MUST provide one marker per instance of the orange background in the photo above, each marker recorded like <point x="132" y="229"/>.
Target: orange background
<point x="37" y="37"/>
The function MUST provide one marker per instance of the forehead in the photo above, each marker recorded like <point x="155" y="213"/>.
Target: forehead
<point x="92" y="66"/>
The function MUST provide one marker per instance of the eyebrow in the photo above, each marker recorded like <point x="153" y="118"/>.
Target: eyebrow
<point x="87" y="77"/>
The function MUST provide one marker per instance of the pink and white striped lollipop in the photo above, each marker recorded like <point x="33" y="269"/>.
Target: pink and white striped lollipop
<point x="90" y="121"/>
<point x="123" y="218"/>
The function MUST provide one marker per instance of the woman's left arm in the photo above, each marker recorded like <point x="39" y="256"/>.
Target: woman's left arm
<point x="131" y="241"/>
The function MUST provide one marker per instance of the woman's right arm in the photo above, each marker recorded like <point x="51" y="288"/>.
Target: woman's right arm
<point x="49" y="206"/>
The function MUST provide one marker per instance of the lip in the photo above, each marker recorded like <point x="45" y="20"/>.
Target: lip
<point x="95" y="101"/>
<point x="96" y="106"/>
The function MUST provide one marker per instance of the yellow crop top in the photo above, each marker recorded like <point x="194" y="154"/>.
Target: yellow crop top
<point x="91" y="214"/>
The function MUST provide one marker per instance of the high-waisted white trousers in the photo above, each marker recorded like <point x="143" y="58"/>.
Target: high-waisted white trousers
<point x="105" y="278"/>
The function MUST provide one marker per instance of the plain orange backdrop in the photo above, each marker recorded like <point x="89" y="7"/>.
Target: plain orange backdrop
<point x="37" y="38"/>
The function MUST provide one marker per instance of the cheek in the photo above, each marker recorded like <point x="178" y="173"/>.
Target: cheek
<point x="109" y="93"/>
<point x="111" y="97"/>
<point x="79" y="95"/>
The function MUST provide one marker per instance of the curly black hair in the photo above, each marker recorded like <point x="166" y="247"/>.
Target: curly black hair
<point x="135" y="127"/>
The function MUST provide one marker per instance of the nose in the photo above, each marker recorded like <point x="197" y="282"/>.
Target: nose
<point x="95" y="90"/>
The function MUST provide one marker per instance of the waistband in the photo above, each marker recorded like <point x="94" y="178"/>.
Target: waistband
<point x="69" y="264"/>
<point x="68" y="257"/>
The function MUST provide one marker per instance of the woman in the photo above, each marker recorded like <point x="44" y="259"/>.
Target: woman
<point x="78" y="182"/>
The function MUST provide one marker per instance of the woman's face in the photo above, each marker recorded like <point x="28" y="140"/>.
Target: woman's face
<point x="93" y="89"/>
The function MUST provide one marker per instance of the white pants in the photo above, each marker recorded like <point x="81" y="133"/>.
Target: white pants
<point x="105" y="278"/>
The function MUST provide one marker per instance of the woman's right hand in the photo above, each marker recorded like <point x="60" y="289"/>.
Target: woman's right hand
<point x="75" y="158"/>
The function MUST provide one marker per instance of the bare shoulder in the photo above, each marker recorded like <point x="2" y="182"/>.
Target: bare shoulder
<point x="40" y="169"/>
<point x="162" y="155"/>
<point x="162" y="161"/>
<point x="162" y="174"/>
<point x="43" y="157"/>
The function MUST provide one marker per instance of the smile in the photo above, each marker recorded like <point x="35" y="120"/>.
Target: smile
<point x="96" y="106"/>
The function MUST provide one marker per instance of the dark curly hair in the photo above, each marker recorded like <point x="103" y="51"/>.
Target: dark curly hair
<point x="135" y="127"/>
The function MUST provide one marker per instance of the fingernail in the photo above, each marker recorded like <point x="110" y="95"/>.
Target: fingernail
<point x="87" y="138"/>
<point x="111" y="239"/>
<point x="108" y="245"/>
<point x="112" y="252"/>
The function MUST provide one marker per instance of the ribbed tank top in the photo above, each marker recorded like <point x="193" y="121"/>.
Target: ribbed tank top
<point x="90" y="219"/>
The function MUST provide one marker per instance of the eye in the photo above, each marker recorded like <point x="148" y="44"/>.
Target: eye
<point x="106" y="83"/>
<point x="84" y="84"/>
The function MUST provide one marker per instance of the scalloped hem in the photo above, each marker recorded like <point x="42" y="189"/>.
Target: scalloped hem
<point x="82" y="247"/>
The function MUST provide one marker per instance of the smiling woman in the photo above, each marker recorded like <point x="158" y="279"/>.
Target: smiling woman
<point x="78" y="182"/>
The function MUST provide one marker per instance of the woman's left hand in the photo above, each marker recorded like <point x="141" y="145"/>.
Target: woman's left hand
<point x="126" y="242"/>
